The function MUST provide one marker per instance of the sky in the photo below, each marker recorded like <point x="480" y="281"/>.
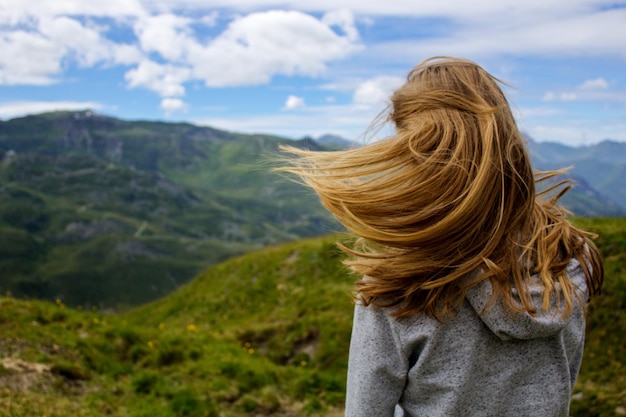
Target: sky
<point x="308" y="68"/>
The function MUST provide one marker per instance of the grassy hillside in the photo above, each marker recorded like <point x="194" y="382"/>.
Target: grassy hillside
<point x="263" y="334"/>
<point x="598" y="169"/>
<point x="100" y="211"/>
<point x="601" y="387"/>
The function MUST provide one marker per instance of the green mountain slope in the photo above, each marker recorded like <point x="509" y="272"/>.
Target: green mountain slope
<point x="597" y="169"/>
<point x="100" y="211"/>
<point x="262" y="334"/>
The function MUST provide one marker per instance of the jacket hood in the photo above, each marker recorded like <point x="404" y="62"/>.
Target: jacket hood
<point x="508" y="325"/>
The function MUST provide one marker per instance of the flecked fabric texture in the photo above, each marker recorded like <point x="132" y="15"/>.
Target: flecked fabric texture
<point x="479" y="363"/>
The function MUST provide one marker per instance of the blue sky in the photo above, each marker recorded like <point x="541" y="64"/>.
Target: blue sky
<point x="296" y="68"/>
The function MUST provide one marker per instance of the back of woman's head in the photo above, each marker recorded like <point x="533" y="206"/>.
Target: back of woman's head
<point x="465" y="158"/>
<point x="452" y="192"/>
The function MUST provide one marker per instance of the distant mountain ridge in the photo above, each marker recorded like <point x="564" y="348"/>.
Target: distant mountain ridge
<point x="101" y="211"/>
<point x="601" y="167"/>
<point x="335" y="141"/>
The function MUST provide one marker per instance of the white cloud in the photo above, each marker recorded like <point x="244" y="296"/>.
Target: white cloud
<point x="598" y="83"/>
<point x="250" y="51"/>
<point x="552" y="96"/>
<point x="345" y="20"/>
<point x="166" y="34"/>
<point x="376" y="91"/>
<point x="167" y="80"/>
<point x="37" y="50"/>
<point x="170" y="105"/>
<point x="85" y="42"/>
<point x="481" y="10"/>
<point x="29" y="58"/>
<point x="17" y="10"/>
<point x="590" y="33"/>
<point x="294" y="102"/>
<point x="258" y="46"/>
<point x="125" y="54"/>
<point x="590" y="90"/>
<point x="210" y="19"/>
<point x="20" y="108"/>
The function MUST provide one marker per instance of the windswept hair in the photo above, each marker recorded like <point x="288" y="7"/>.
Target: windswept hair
<point x="450" y="195"/>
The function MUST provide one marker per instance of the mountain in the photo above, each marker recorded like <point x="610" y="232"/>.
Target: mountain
<point x="264" y="334"/>
<point x="598" y="171"/>
<point x="335" y="141"/>
<point x="100" y="211"/>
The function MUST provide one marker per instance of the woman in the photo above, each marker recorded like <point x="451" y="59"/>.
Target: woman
<point x="474" y="287"/>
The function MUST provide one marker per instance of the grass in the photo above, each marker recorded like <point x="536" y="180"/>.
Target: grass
<point x="192" y="353"/>
<point x="263" y="334"/>
<point x="601" y="387"/>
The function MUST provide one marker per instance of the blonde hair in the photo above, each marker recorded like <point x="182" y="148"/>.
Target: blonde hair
<point x="452" y="192"/>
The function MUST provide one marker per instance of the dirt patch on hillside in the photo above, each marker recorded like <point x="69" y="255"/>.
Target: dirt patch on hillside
<point x="18" y="375"/>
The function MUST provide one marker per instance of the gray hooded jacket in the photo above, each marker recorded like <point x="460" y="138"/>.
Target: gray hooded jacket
<point x="479" y="363"/>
